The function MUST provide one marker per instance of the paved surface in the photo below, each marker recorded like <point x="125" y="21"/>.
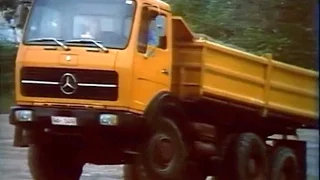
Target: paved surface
<point x="13" y="163"/>
<point x="312" y="138"/>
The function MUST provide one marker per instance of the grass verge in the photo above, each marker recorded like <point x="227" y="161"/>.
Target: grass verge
<point x="6" y="100"/>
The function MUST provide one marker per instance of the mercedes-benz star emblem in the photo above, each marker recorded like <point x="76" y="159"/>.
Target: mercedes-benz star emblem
<point x="68" y="83"/>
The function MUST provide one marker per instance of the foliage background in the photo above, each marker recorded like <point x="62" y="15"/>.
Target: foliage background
<point x="8" y="52"/>
<point x="285" y="28"/>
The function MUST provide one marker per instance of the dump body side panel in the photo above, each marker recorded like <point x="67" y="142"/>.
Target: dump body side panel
<point x="186" y="74"/>
<point x="203" y="69"/>
<point x="227" y="74"/>
<point x="186" y="64"/>
<point x="293" y="90"/>
<point x="260" y="81"/>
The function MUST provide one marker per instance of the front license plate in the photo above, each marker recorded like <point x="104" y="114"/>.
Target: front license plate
<point x="64" y="121"/>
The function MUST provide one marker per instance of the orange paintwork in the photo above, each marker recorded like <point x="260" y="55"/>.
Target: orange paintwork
<point x="205" y="68"/>
<point x="195" y="67"/>
<point x="138" y="79"/>
<point x="260" y="81"/>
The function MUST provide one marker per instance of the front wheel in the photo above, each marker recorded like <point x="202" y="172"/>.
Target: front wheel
<point x="134" y="172"/>
<point x="48" y="162"/>
<point x="165" y="156"/>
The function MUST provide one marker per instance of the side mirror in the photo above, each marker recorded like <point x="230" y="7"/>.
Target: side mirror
<point x="21" y="15"/>
<point x="161" y="25"/>
<point x="142" y="47"/>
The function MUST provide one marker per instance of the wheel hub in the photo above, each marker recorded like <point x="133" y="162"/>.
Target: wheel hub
<point x="254" y="170"/>
<point x="283" y="176"/>
<point x="252" y="166"/>
<point x="163" y="151"/>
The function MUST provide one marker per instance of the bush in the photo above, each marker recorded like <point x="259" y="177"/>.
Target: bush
<point x="8" y="51"/>
<point x="285" y="28"/>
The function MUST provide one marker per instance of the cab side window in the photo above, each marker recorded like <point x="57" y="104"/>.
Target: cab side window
<point x="149" y="31"/>
<point x="153" y="38"/>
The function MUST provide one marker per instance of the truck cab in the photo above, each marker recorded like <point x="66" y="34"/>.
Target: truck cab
<point x="98" y="46"/>
<point x="125" y="82"/>
<point x="87" y="71"/>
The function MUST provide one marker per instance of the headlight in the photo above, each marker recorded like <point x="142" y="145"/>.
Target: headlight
<point x="24" y="115"/>
<point x="108" y="120"/>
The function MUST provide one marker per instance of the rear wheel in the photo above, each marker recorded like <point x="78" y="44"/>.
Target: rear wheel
<point x="245" y="158"/>
<point x="284" y="165"/>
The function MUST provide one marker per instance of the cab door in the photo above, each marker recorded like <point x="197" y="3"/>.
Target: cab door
<point x="152" y="58"/>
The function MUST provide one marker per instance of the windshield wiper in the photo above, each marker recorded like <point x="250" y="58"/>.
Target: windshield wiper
<point x="88" y="41"/>
<point x="51" y="39"/>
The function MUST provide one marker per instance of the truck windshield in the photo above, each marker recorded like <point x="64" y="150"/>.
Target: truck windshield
<point x="106" y="21"/>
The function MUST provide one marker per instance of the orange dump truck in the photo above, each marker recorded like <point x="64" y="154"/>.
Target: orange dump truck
<point x="125" y="82"/>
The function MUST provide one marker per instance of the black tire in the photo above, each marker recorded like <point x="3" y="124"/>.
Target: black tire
<point x="227" y="150"/>
<point x="20" y="138"/>
<point x="134" y="172"/>
<point x="249" y="144"/>
<point x="47" y="162"/>
<point x="284" y="165"/>
<point x="244" y="150"/>
<point x="179" y="166"/>
<point x="138" y="172"/>
<point x="128" y="172"/>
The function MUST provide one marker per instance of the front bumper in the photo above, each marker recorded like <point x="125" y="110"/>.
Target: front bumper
<point x="87" y="121"/>
<point x="97" y="140"/>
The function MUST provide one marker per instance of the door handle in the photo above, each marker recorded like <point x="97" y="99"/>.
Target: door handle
<point x="164" y="71"/>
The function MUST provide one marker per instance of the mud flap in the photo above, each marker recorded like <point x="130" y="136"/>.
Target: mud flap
<point x="20" y="137"/>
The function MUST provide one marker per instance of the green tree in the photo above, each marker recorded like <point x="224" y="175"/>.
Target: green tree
<point x="4" y="4"/>
<point x="282" y="27"/>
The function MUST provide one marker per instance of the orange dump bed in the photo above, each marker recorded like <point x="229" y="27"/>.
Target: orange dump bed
<point x="206" y="69"/>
